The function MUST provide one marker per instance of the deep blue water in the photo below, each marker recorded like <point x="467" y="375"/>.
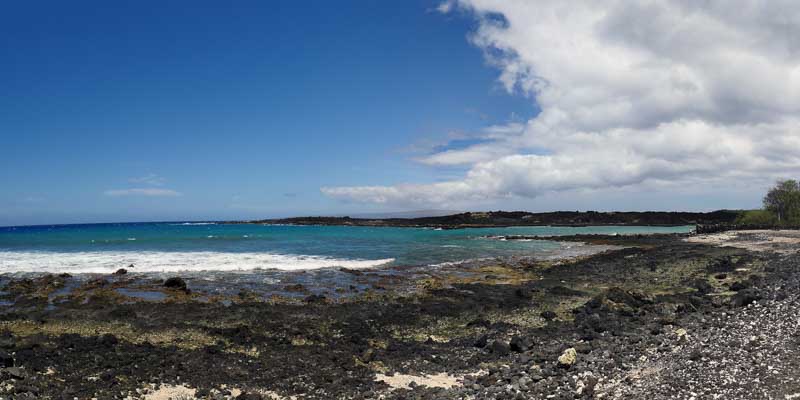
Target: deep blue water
<point x="184" y="246"/>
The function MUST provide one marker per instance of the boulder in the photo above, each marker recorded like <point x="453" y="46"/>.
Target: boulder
<point x="745" y="297"/>
<point x="175" y="283"/>
<point x="121" y="271"/>
<point x="501" y="347"/>
<point x="519" y="344"/>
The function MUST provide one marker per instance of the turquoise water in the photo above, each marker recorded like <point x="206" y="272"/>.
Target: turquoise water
<point x="196" y="247"/>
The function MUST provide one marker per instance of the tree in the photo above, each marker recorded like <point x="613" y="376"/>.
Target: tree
<point x="783" y="200"/>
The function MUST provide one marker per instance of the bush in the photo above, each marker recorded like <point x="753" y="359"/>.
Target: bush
<point x="783" y="201"/>
<point x="756" y="217"/>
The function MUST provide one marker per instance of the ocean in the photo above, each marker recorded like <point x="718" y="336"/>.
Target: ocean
<point x="196" y="247"/>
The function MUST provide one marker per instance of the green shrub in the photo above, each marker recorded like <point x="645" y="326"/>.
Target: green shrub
<point x="756" y="217"/>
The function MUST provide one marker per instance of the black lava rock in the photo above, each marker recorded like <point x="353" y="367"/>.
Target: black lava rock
<point x="745" y="297"/>
<point x="519" y="344"/>
<point x="107" y="340"/>
<point x="249" y="396"/>
<point x="482" y="341"/>
<point x="6" y="360"/>
<point x="175" y="283"/>
<point x="501" y="347"/>
<point x="315" y="298"/>
<point x="702" y="286"/>
<point x="548" y="315"/>
<point x="16" y="373"/>
<point x="121" y="271"/>
<point x="740" y="285"/>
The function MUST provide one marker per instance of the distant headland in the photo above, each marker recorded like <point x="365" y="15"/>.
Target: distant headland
<point x="522" y="218"/>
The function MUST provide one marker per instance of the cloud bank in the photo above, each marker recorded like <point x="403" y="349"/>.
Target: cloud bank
<point x="632" y="93"/>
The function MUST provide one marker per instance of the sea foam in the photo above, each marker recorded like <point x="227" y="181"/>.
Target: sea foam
<point x="160" y="261"/>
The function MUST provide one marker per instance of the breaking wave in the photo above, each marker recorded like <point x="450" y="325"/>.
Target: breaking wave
<point x="159" y="261"/>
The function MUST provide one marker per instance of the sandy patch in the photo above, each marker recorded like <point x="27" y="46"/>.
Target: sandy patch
<point x="270" y="395"/>
<point x="781" y="241"/>
<point x="402" y="381"/>
<point x="170" y="392"/>
<point x="441" y="380"/>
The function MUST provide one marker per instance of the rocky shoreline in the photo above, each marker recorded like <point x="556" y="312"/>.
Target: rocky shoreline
<point x="656" y="317"/>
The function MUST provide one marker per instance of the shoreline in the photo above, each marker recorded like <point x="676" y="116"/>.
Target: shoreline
<point x="637" y="321"/>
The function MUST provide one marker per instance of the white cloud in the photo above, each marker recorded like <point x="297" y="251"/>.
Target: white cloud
<point x="151" y="192"/>
<point x="149" y="179"/>
<point x="632" y="94"/>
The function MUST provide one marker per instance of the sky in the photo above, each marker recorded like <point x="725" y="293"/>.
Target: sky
<point x="153" y="111"/>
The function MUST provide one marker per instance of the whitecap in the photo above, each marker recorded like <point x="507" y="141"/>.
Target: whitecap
<point x="161" y="261"/>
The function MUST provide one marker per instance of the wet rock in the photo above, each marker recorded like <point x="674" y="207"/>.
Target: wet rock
<point x="568" y="358"/>
<point x="131" y="266"/>
<point x="175" y="283"/>
<point x="121" y="271"/>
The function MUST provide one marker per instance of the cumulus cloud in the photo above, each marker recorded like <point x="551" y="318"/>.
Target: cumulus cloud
<point x="631" y="93"/>
<point x="151" y="192"/>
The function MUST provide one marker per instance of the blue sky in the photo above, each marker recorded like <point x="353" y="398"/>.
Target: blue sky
<point x="245" y="111"/>
<point x="200" y="110"/>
